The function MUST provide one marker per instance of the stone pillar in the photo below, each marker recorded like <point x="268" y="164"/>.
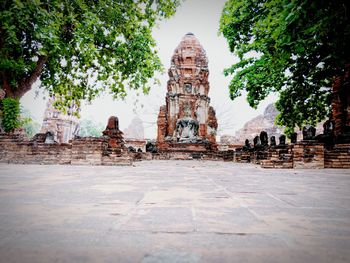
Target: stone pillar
<point x="212" y="125"/>
<point x="341" y="104"/>
<point x="161" y="122"/>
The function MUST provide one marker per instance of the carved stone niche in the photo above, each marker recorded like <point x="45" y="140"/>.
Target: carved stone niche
<point x="187" y="130"/>
<point x="188" y="87"/>
<point x="49" y="137"/>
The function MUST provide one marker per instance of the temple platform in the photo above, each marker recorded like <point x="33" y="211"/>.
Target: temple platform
<point x="194" y="147"/>
<point x="173" y="211"/>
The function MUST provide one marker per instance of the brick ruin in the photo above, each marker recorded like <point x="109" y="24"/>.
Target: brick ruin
<point x="341" y="107"/>
<point x="331" y="149"/>
<point x="187" y="124"/>
<point x="62" y="126"/>
<point x="307" y="153"/>
<point x="186" y="130"/>
<point x="108" y="149"/>
<point x="310" y="152"/>
<point x="178" y="137"/>
<point x="321" y="151"/>
<point x="327" y="150"/>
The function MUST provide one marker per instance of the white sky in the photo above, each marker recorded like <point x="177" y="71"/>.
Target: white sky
<point x="201" y="17"/>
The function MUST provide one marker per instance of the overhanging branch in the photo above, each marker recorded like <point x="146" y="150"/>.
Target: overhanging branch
<point x="26" y="83"/>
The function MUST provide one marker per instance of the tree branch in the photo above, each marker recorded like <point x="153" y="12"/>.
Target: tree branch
<point x="25" y="84"/>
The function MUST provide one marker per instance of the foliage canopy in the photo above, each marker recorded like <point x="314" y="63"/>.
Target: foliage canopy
<point x="79" y="48"/>
<point x="90" y="128"/>
<point x="293" y="48"/>
<point x="28" y="123"/>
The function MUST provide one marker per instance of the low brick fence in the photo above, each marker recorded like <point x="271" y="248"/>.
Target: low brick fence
<point x="338" y="157"/>
<point x="301" y="155"/>
<point x="15" y="148"/>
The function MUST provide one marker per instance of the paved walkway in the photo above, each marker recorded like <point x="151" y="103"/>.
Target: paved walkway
<point x="173" y="211"/>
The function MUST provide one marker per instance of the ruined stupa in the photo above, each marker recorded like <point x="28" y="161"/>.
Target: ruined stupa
<point x="187" y="122"/>
<point x="63" y="127"/>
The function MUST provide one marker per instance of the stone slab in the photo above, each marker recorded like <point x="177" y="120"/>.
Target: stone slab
<point x="173" y="211"/>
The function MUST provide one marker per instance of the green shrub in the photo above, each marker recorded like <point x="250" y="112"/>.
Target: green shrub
<point x="10" y="114"/>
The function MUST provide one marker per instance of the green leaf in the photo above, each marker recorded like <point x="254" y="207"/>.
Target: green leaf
<point x="10" y="114"/>
<point x="94" y="40"/>
<point x="291" y="39"/>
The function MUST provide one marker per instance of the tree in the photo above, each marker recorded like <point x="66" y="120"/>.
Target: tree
<point x="294" y="48"/>
<point x="79" y="48"/>
<point x="90" y="128"/>
<point x="30" y="126"/>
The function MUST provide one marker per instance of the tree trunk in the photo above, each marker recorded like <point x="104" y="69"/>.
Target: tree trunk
<point x="7" y="87"/>
<point x="25" y="84"/>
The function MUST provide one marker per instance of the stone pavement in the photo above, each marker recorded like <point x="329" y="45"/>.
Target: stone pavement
<point x="173" y="211"/>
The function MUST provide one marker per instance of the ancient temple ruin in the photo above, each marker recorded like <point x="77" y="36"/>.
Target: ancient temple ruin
<point x="340" y="117"/>
<point x="186" y="130"/>
<point x="63" y="127"/>
<point x="187" y="122"/>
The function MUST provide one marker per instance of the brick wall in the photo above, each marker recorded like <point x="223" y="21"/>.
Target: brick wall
<point x="303" y="155"/>
<point x="87" y="150"/>
<point x="136" y="144"/>
<point x="213" y="156"/>
<point x="83" y="151"/>
<point x="338" y="157"/>
<point x="16" y="148"/>
<point x="308" y="155"/>
<point x="279" y="158"/>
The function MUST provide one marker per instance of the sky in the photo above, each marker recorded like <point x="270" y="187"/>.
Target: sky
<point x="201" y="17"/>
